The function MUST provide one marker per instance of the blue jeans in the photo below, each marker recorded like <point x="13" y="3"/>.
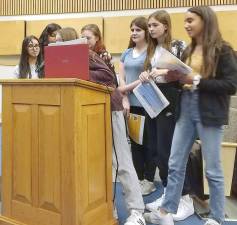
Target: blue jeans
<point x="188" y="128"/>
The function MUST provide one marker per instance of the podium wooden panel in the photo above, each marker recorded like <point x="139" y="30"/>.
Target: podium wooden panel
<point x="56" y="153"/>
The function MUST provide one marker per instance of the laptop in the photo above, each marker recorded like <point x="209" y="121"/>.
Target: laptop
<point x="67" y="61"/>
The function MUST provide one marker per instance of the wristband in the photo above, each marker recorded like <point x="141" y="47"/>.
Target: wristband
<point x="196" y="81"/>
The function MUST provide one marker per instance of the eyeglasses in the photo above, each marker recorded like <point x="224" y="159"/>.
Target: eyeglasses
<point x="52" y="35"/>
<point x="30" y="46"/>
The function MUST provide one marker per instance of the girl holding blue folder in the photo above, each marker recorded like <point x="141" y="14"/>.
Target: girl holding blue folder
<point x="159" y="26"/>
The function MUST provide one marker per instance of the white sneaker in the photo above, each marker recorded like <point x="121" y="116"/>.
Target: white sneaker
<point x="155" y="217"/>
<point x="185" y="208"/>
<point x="115" y="213"/>
<point x="147" y="187"/>
<point x="211" y="222"/>
<point x="135" y="218"/>
<point x="153" y="206"/>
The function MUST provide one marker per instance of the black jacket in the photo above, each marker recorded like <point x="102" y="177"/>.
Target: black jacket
<point x="214" y="93"/>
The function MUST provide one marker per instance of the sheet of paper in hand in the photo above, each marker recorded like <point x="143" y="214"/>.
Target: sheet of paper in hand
<point x="168" y="61"/>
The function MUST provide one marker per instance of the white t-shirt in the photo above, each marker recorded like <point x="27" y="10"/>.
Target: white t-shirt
<point x="177" y="48"/>
<point x="154" y="59"/>
<point x="34" y="74"/>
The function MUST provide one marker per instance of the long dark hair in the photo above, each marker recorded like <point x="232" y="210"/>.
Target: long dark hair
<point x="24" y="67"/>
<point x="48" y="31"/>
<point x="163" y="17"/>
<point x="212" y="41"/>
<point x="99" y="46"/>
<point x="140" y="22"/>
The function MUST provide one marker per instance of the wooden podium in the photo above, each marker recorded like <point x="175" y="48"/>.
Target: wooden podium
<point x="56" y="153"/>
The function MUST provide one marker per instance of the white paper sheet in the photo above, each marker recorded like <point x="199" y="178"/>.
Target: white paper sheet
<point x="167" y="60"/>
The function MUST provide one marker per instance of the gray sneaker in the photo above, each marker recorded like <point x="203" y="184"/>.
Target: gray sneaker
<point x="147" y="187"/>
<point x="115" y="213"/>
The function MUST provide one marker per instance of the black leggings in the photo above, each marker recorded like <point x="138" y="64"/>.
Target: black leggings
<point x="143" y="155"/>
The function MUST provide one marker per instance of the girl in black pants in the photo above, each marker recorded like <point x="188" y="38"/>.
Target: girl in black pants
<point x="145" y="153"/>
<point x="131" y="66"/>
<point x="159" y="26"/>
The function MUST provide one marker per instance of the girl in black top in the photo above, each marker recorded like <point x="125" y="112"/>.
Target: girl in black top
<point x="159" y="26"/>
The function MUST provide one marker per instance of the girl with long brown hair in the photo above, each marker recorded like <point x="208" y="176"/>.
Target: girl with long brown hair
<point x="203" y="112"/>
<point x="131" y="66"/>
<point x="30" y="59"/>
<point x="159" y="25"/>
<point x="48" y="35"/>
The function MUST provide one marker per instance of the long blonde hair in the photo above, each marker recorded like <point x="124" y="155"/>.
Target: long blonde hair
<point x="163" y="17"/>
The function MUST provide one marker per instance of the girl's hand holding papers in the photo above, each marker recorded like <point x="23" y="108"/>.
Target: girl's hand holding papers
<point x="155" y="74"/>
<point x="158" y="75"/>
<point x="144" y="76"/>
<point x="173" y="75"/>
<point x="187" y="79"/>
<point x="158" y="72"/>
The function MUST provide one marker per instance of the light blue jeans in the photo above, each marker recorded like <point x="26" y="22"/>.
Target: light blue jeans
<point x="188" y="128"/>
<point x="126" y="172"/>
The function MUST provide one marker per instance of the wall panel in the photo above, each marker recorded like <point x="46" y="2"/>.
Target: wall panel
<point x="117" y="39"/>
<point x="227" y="24"/>
<point x="10" y="42"/>
<point x="31" y="7"/>
<point x="115" y="30"/>
<point x="36" y="27"/>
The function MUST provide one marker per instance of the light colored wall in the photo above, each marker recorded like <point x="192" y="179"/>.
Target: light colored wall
<point x="114" y="24"/>
<point x="35" y="27"/>
<point x="33" y="7"/>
